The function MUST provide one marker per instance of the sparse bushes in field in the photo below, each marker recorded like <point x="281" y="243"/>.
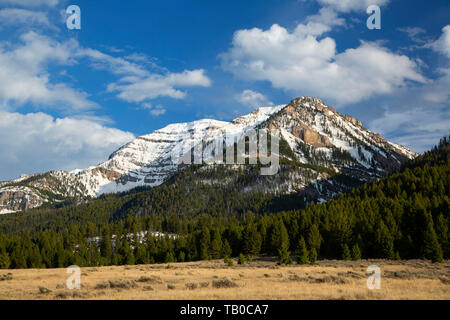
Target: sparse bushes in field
<point x="116" y="284"/>
<point x="102" y="285"/>
<point x="171" y="286"/>
<point x="224" y="283"/>
<point x="5" y="277"/>
<point x="44" y="290"/>
<point x="151" y="279"/>
<point x="73" y="294"/>
<point x="204" y="284"/>
<point x="311" y="279"/>
<point x="191" y="286"/>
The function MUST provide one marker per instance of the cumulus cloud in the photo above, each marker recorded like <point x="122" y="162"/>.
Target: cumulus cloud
<point x="442" y="45"/>
<point x="303" y="62"/>
<point x="414" y="33"/>
<point x="23" y="17"/>
<point x="154" y="110"/>
<point x="351" y="5"/>
<point x="419" y="128"/>
<point x="139" y="89"/>
<point x="24" y="77"/>
<point x="30" y="3"/>
<point x="253" y="99"/>
<point x="37" y="142"/>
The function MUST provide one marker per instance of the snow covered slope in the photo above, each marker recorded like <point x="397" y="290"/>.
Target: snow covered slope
<point x="316" y="134"/>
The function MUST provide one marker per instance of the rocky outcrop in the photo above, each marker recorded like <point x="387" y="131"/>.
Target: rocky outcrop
<point x="20" y="198"/>
<point x="310" y="136"/>
<point x="354" y="121"/>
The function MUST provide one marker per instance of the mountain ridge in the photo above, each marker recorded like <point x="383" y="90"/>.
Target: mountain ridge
<point x="312" y="134"/>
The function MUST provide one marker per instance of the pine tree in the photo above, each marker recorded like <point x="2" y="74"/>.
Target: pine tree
<point x="284" y="256"/>
<point x="314" y="238"/>
<point x="216" y="245"/>
<point x="105" y="246"/>
<point x="251" y="240"/>
<point x="432" y="249"/>
<point x="356" y="252"/>
<point x="312" y="256"/>
<point x="5" y="261"/>
<point x="205" y="239"/>
<point x="241" y="259"/>
<point x="302" y="252"/>
<point x="226" y="249"/>
<point x="346" y="253"/>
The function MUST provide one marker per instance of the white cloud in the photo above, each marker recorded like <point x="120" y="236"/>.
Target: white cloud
<point x="419" y="128"/>
<point x="30" y="3"/>
<point x="138" y="89"/>
<point x="327" y="16"/>
<point x="351" y="5"/>
<point x="37" y="142"/>
<point x="119" y="66"/>
<point x="24" y="77"/>
<point x="158" y="111"/>
<point x="154" y="110"/>
<point x="414" y="33"/>
<point x="253" y="99"/>
<point x="14" y="17"/>
<point x="442" y="45"/>
<point x="302" y="62"/>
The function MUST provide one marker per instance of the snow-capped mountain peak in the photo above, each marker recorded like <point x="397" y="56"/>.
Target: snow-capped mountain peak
<point x="315" y="134"/>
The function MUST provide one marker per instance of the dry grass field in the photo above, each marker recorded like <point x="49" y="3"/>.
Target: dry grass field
<point x="260" y="279"/>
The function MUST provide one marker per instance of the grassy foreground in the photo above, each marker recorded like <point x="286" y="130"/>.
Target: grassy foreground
<point x="260" y="279"/>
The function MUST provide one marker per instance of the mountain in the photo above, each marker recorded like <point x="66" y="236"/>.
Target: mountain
<point x="402" y="216"/>
<point x="322" y="154"/>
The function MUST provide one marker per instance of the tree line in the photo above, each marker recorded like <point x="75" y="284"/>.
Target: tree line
<point x="403" y="216"/>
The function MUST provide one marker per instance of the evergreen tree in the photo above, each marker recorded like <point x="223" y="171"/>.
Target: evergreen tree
<point x="105" y="246"/>
<point x="251" y="240"/>
<point x="226" y="249"/>
<point x="204" y="242"/>
<point x="216" y="245"/>
<point x="314" y="238"/>
<point x="241" y="259"/>
<point x="356" y="252"/>
<point x="312" y="256"/>
<point x="346" y="253"/>
<point x="284" y="256"/>
<point x="302" y="252"/>
<point x="5" y="261"/>
<point x="432" y="249"/>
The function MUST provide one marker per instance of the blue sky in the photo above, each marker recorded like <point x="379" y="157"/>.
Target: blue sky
<point x="68" y="98"/>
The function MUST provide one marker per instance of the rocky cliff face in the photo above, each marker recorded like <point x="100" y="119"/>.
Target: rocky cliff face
<point x="325" y="144"/>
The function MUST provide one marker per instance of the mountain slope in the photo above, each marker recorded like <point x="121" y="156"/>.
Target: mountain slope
<point x="402" y="216"/>
<point x="323" y="154"/>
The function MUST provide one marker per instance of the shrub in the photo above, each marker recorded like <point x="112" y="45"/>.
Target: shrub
<point x="170" y="286"/>
<point x="122" y="284"/>
<point x="44" y="290"/>
<point x="191" y="286"/>
<point x="241" y="259"/>
<point x="152" y="279"/>
<point x="224" y="283"/>
<point x="228" y="261"/>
